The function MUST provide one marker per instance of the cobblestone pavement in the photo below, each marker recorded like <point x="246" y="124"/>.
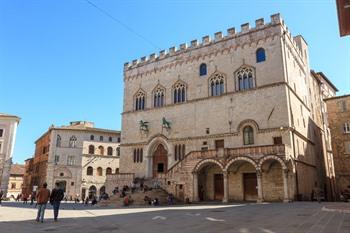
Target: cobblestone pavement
<point x="297" y="217"/>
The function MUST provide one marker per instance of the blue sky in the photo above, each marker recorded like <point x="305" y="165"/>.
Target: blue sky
<point x="62" y="60"/>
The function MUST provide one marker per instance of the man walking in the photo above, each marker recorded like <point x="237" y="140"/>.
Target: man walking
<point x="1" y="194"/>
<point x="42" y="198"/>
<point x="55" y="199"/>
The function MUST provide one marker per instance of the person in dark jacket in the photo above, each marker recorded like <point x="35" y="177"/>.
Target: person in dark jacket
<point x="56" y="197"/>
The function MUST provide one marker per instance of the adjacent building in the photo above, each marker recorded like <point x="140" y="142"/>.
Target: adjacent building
<point x="77" y="156"/>
<point x="232" y="118"/>
<point x="339" y="122"/>
<point x="16" y="180"/>
<point x="8" y="129"/>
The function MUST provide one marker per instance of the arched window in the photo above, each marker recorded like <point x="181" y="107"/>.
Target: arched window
<point x="118" y="151"/>
<point x="101" y="150"/>
<point x="73" y="142"/>
<point x="99" y="171"/>
<point x="260" y="55"/>
<point x="109" y="151"/>
<point x="92" y="137"/>
<point x="117" y="171"/>
<point x="179" y="92"/>
<point x="217" y="84"/>
<point x="58" y="141"/>
<point x="158" y="97"/>
<point x="141" y="155"/>
<point x="108" y="171"/>
<point x="91" y="149"/>
<point x="89" y="171"/>
<point x="248" y="135"/>
<point x="245" y="79"/>
<point x="203" y="69"/>
<point x="140" y="99"/>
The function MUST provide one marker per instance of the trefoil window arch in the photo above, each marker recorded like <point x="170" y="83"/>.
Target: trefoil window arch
<point x="140" y="99"/>
<point x="158" y="97"/>
<point x="245" y="79"/>
<point x="217" y="84"/>
<point x="179" y="92"/>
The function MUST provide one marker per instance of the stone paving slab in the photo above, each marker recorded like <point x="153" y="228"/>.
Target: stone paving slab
<point x="298" y="217"/>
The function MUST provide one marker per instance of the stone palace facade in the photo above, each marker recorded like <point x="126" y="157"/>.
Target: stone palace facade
<point x="237" y="117"/>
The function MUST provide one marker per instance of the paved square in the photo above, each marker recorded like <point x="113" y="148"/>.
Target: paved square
<point x="298" y="217"/>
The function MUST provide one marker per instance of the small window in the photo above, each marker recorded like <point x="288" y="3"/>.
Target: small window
<point x="203" y="69"/>
<point x="13" y="185"/>
<point x="109" y="151"/>
<point x="92" y="137"/>
<point x="91" y="149"/>
<point x="117" y="171"/>
<point x="110" y="139"/>
<point x="73" y="142"/>
<point x="71" y="160"/>
<point x="101" y="138"/>
<point x="260" y="55"/>
<point x="277" y="140"/>
<point x="61" y="174"/>
<point x="118" y="140"/>
<point x="72" y="183"/>
<point x="57" y="159"/>
<point x="118" y="151"/>
<point x="108" y="171"/>
<point x="1" y="133"/>
<point x="347" y="127"/>
<point x="58" y="141"/>
<point x="248" y="135"/>
<point x="89" y="171"/>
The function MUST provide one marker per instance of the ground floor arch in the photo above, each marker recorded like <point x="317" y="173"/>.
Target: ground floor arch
<point x="92" y="191"/>
<point x="241" y="179"/>
<point x="159" y="160"/>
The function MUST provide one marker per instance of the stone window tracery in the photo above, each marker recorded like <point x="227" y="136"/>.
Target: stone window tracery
<point x="179" y="92"/>
<point x="217" y="85"/>
<point x="140" y="99"/>
<point x="159" y="97"/>
<point x="179" y="152"/>
<point x="245" y="79"/>
<point x="138" y="155"/>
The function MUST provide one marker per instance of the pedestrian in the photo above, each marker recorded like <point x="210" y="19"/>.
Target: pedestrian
<point x="42" y="199"/>
<point x="1" y="194"/>
<point x="25" y="198"/>
<point x="55" y="199"/>
<point x="32" y="197"/>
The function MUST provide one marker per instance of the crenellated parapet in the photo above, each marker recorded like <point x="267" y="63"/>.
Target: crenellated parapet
<point x="206" y="40"/>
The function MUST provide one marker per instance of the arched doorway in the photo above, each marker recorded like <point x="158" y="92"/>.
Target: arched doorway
<point x="243" y="183"/>
<point x="102" y="190"/>
<point x="92" y="191"/>
<point x="160" y="161"/>
<point x="210" y="182"/>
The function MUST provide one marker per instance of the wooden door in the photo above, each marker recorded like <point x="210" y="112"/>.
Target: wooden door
<point x="218" y="186"/>
<point x="250" y="187"/>
<point x="160" y="161"/>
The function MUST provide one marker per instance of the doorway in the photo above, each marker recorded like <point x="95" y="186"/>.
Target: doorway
<point x="160" y="161"/>
<point x="250" y="187"/>
<point x="218" y="186"/>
